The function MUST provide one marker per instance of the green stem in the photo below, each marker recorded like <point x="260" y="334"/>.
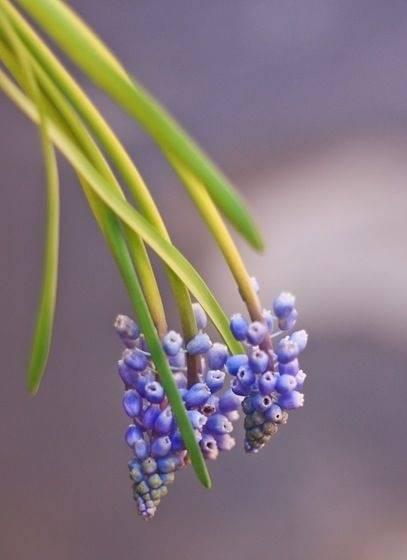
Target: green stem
<point x="225" y="242"/>
<point x="217" y="227"/>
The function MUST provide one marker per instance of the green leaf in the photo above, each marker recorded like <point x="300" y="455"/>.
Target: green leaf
<point x="63" y="112"/>
<point x="111" y="229"/>
<point x="89" y="53"/>
<point x="45" y="317"/>
<point x="217" y="227"/>
<point x="165" y="250"/>
<point x="44" y="324"/>
<point x="129" y="215"/>
<point x="113" y="234"/>
<point x="49" y="65"/>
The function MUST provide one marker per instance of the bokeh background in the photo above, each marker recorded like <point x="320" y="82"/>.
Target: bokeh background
<point x="304" y="105"/>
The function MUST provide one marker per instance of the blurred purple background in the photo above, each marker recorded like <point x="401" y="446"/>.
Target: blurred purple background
<point x="304" y="105"/>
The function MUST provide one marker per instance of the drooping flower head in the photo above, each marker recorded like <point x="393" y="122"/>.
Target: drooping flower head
<point x="264" y="382"/>
<point x="153" y="436"/>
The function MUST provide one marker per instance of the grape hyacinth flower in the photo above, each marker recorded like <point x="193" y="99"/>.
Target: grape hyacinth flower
<point x="269" y="380"/>
<point x="263" y="382"/>
<point x="154" y="438"/>
<point x="286" y="313"/>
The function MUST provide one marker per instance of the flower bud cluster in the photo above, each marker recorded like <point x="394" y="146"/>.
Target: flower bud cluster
<point x="264" y="382"/>
<point x="270" y="381"/>
<point x="153" y="435"/>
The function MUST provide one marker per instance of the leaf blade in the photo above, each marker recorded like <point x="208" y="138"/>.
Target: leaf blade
<point x="44" y="324"/>
<point x="47" y="66"/>
<point x="46" y="312"/>
<point x="89" y="53"/>
<point x="112" y="232"/>
<point x="111" y="229"/>
<point x="166" y="251"/>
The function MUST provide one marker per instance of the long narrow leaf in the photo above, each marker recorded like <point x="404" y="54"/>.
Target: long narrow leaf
<point x="88" y="52"/>
<point x="89" y="113"/>
<point x="65" y="112"/>
<point x="112" y="231"/>
<point x="110" y="227"/>
<point x="165" y="250"/>
<point x="46" y="312"/>
<point x="168" y="253"/>
<point x="42" y="336"/>
<point x="50" y="65"/>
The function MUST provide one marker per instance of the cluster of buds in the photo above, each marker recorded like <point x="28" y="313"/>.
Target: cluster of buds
<point x="263" y="382"/>
<point x="153" y="436"/>
<point x="268" y="380"/>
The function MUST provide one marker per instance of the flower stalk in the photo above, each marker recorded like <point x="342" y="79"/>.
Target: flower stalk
<point x="218" y="229"/>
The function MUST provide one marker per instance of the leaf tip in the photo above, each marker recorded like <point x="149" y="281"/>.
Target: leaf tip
<point x="204" y="477"/>
<point x="32" y="388"/>
<point x="33" y="380"/>
<point x="206" y="481"/>
<point x="256" y="240"/>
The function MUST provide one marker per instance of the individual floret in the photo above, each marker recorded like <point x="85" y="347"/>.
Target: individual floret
<point x="127" y="330"/>
<point x="200" y="344"/>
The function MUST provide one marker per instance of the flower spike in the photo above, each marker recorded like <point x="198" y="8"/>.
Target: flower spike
<point x="262" y="384"/>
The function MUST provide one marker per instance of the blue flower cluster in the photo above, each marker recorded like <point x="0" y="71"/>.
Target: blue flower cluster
<point x="269" y="381"/>
<point x="153" y="435"/>
<point x="264" y="382"/>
